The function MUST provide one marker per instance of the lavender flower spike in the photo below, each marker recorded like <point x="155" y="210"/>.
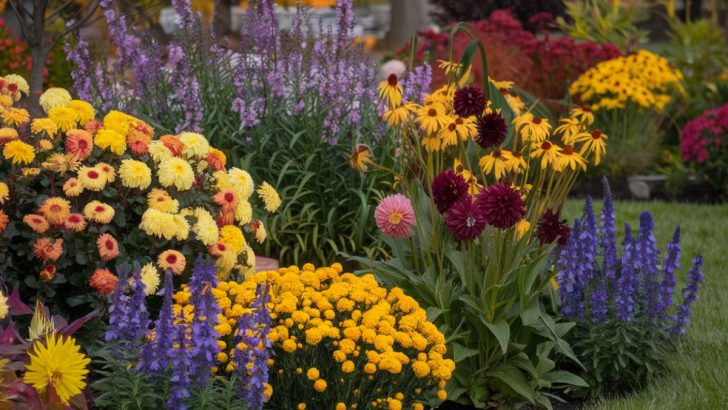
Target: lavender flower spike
<point x="690" y="295"/>
<point x="609" y="232"/>
<point x="204" y="336"/>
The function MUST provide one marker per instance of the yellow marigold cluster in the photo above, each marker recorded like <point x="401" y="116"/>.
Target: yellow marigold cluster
<point x="370" y="346"/>
<point x="642" y="78"/>
<point x="117" y="173"/>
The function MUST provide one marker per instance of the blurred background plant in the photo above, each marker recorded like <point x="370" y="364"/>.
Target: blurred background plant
<point x="529" y="13"/>
<point x="286" y="105"/>
<point x="605" y="21"/>
<point x="630" y="96"/>
<point x="704" y="147"/>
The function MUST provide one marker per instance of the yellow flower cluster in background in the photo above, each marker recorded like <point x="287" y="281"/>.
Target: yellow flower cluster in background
<point x="641" y="78"/>
<point x="339" y="338"/>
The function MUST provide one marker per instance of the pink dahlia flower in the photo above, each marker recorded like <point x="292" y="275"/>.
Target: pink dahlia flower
<point x="395" y="216"/>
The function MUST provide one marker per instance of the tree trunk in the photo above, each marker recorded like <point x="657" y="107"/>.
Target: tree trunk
<point x="38" y="59"/>
<point x="408" y="16"/>
<point x="222" y="17"/>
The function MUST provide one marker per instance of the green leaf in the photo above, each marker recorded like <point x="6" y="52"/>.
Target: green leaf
<point x="461" y="352"/>
<point x="513" y="377"/>
<point x="501" y="331"/>
<point x="564" y="377"/>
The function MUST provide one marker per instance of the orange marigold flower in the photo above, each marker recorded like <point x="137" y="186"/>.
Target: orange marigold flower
<point x="47" y="249"/>
<point x="48" y="273"/>
<point x="79" y="143"/>
<point x="36" y="222"/>
<point x="55" y="210"/>
<point x="107" y="246"/>
<point x="103" y="281"/>
<point x="75" y="223"/>
<point x="3" y="221"/>
<point x="172" y="260"/>
<point x="173" y="144"/>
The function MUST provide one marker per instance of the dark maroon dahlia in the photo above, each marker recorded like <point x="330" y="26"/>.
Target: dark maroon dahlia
<point x="551" y="227"/>
<point x="447" y="188"/>
<point x="464" y="219"/>
<point x="492" y="130"/>
<point x="501" y="205"/>
<point x="469" y="101"/>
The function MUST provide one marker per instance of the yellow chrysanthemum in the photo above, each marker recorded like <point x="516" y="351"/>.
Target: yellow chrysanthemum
<point x="196" y="145"/>
<point x="270" y="197"/>
<point x="84" y="111"/>
<point x="176" y="172"/>
<point x="72" y="187"/>
<point x="205" y="228"/>
<point x="8" y="134"/>
<point x="57" y="362"/>
<point x="160" y="200"/>
<point x="158" y="223"/>
<point x="15" y="116"/>
<point x="97" y="211"/>
<point x="54" y="97"/>
<point x="150" y="279"/>
<point x="158" y="151"/>
<point x="4" y="309"/>
<point x="4" y="192"/>
<point x="44" y="125"/>
<point x="111" y="140"/>
<point x="64" y="117"/>
<point x="243" y="212"/>
<point x="135" y="174"/>
<point x="118" y="121"/>
<point x="232" y="237"/>
<point x="18" y="152"/>
<point x="240" y="180"/>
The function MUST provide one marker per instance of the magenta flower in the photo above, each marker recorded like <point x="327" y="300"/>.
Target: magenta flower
<point x="469" y="101"/>
<point x="395" y="216"/>
<point x="447" y="188"/>
<point x="465" y="220"/>
<point x="551" y="227"/>
<point x="492" y="130"/>
<point x="501" y="205"/>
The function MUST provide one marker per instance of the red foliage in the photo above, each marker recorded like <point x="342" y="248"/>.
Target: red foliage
<point x="14" y="54"/>
<point x="543" y="65"/>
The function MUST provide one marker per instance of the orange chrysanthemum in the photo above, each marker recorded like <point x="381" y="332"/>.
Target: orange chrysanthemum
<point x="72" y="188"/>
<point x="172" y="260"/>
<point x="216" y="158"/>
<point x="103" y="281"/>
<point x="218" y="249"/>
<point x="173" y="144"/>
<point x="107" y="246"/>
<point x="75" y="223"/>
<point x="227" y="199"/>
<point x="55" y="210"/>
<point x="47" y="249"/>
<point x="140" y="135"/>
<point x="36" y="222"/>
<point x="93" y="126"/>
<point x="3" y="221"/>
<point x="79" y="143"/>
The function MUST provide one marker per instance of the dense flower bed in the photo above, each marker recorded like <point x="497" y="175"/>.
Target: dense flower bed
<point x="703" y="145"/>
<point x="80" y="194"/>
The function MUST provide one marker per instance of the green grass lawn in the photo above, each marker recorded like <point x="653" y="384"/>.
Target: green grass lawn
<point x="697" y="376"/>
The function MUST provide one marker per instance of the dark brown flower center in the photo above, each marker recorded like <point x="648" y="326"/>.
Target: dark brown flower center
<point x="432" y="112"/>
<point x="536" y="120"/>
<point x="596" y="134"/>
<point x="392" y="80"/>
<point x="568" y="149"/>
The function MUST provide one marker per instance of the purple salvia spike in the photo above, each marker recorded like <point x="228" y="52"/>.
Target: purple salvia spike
<point x="649" y="261"/>
<point x="598" y="300"/>
<point x="179" y="356"/>
<point x="204" y="336"/>
<point x="119" y="309"/>
<point x="569" y="277"/>
<point x="608" y="233"/>
<point x="154" y="357"/>
<point x="624" y="299"/>
<point x="690" y="295"/>
<point x="671" y="265"/>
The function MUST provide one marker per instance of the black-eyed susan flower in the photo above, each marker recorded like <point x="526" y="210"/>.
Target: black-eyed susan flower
<point x="390" y="91"/>
<point x="496" y="163"/>
<point x="548" y="152"/>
